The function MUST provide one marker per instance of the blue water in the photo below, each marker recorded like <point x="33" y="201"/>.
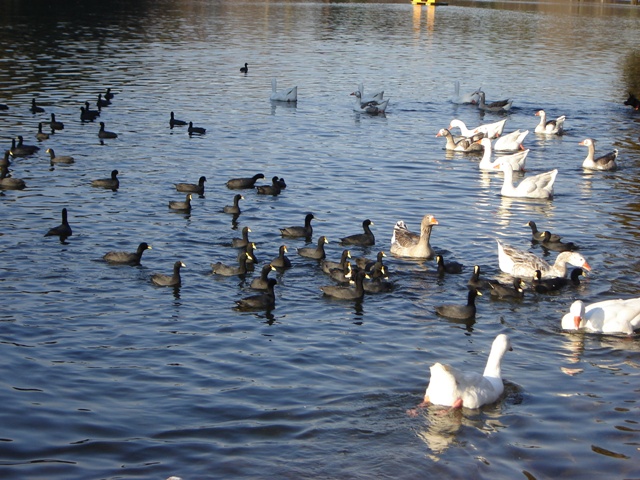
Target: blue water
<point x="107" y="376"/>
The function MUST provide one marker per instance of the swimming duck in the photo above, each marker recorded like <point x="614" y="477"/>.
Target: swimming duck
<point x="520" y="263"/>
<point x="342" y="275"/>
<point x="63" y="230"/>
<point x="231" y="270"/>
<point x="517" y="160"/>
<point x="238" y="183"/>
<point x="475" y="281"/>
<point x="286" y="95"/>
<point x="87" y="115"/>
<point x="316" y="253"/>
<point x="274" y="189"/>
<point x="249" y="250"/>
<point x="244" y="69"/>
<point x="295" y="232"/>
<point x="328" y="265"/>
<point x="192" y="187"/>
<point x="196" y="130"/>
<point x="102" y="133"/>
<point x="21" y="149"/>
<point x="54" y="124"/>
<point x="609" y="316"/>
<point x="174" y="122"/>
<point x="377" y="284"/>
<point x="551" y="127"/>
<point x="10" y="183"/>
<point x="40" y="136"/>
<point x="347" y="292"/>
<point x="539" y="236"/>
<point x="181" y="206"/>
<point x="281" y="261"/>
<point x="507" y="292"/>
<point x="265" y="301"/>
<point x="372" y="107"/>
<point x="101" y="102"/>
<point x="241" y="242"/>
<point x="534" y="186"/>
<point x="605" y="162"/>
<point x="452" y="387"/>
<point x="262" y="282"/>
<point x="368" y="265"/>
<point x="127" y="258"/>
<point x="111" y="183"/>
<point x="553" y="284"/>
<point x="461" y="312"/>
<point x="365" y="239"/>
<point x="35" y="108"/>
<point x="174" y="280"/>
<point x="557" y="246"/>
<point x="462" y="145"/>
<point x="235" y="208"/>
<point x="412" y="245"/>
<point x="61" y="159"/>
<point x="108" y="95"/>
<point x="511" y="142"/>
<point x="447" y="267"/>
<point x="498" y="106"/>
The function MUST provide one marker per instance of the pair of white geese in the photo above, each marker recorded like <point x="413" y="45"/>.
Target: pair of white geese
<point x="456" y="388"/>
<point x="453" y="387"/>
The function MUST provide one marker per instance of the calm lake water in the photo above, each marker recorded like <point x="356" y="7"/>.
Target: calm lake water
<point x="106" y="376"/>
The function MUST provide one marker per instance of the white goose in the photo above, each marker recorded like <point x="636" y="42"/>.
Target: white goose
<point x="516" y="160"/>
<point x="489" y="130"/>
<point x="372" y="107"/>
<point x="535" y="186"/>
<point x="497" y="106"/>
<point x="511" y="142"/>
<point x="405" y="243"/>
<point x="457" y="388"/>
<point x="460" y="145"/>
<point x="551" y="127"/>
<point x="285" y="95"/>
<point x="605" y="162"/>
<point x="523" y="264"/>
<point x="376" y="97"/>
<point x="610" y="316"/>
<point x="465" y="98"/>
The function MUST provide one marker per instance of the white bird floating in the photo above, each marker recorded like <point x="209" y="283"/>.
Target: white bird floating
<point x="516" y="160"/>
<point x="376" y="97"/>
<point x="458" y="388"/>
<point x="551" y="127"/>
<point x="372" y="107"/>
<point x="285" y="95"/>
<point x="610" y="316"/>
<point x="523" y="264"/>
<point x="511" y="142"/>
<point x="498" y="106"/>
<point x="489" y="130"/>
<point x="605" y="162"/>
<point x="534" y="186"/>
<point x="465" y="98"/>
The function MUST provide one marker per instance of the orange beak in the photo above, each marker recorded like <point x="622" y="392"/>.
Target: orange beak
<point x="586" y="266"/>
<point x="576" y="321"/>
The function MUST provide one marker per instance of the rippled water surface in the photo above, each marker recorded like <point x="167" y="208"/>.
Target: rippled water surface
<point x="107" y="376"/>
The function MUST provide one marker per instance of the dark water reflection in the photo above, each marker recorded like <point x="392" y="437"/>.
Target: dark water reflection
<point x="106" y="376"/>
